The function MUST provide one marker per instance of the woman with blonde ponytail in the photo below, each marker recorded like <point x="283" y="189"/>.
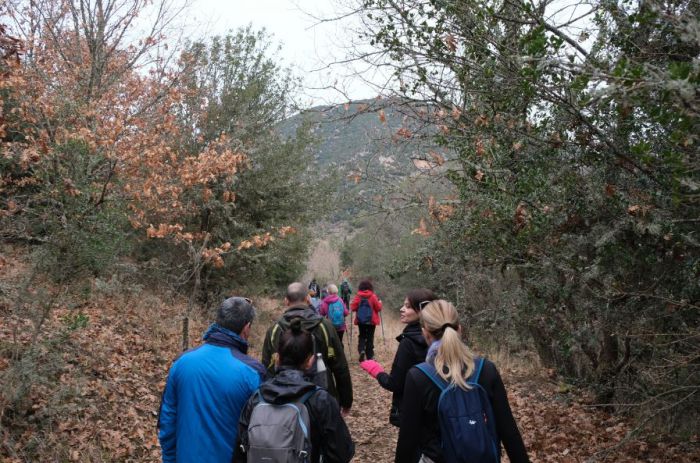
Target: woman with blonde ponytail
<point x="455" y="364"/>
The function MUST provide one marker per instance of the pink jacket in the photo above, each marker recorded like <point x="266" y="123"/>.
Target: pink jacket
<point x="324" y="308"/>
<point x="374" y="302"/>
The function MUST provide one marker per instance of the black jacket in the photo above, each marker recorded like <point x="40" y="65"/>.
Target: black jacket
<point x="339" y="382"/>
<point x="330" y="436"/>
<point x="411" y="351"/>
<point x="420" y="429"/>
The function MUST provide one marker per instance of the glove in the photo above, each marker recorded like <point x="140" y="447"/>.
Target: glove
<point x="372" y="367"/>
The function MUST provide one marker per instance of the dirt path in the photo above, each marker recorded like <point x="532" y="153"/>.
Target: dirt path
<point x="375" y="438"/>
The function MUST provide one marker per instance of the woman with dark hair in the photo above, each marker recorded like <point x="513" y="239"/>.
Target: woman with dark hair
<point x="411" y="350"/>
<point x="367" y="307"/>
<point x="455" y="365"/>
<point x="329" y="435"/>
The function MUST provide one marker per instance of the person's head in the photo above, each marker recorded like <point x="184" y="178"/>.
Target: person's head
<point x="236" y="314"/>
<point x="332" y="289"/>
<point x="440" y="321"/>
<point x="365" y="285"/>
<point x="296" y="347"/>
<point x="412" y="304"/>
<point x="296" y="294"/>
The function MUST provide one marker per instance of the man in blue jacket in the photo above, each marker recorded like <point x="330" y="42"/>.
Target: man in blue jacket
<point x="207" y="388"/>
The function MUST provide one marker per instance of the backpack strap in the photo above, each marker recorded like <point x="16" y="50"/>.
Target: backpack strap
<point x="307" y="396"/>
<point x="479" y="365"/>
<point x="273" y="342"/>
<point x="329" y="348"/>
<point x="431" y="373"/>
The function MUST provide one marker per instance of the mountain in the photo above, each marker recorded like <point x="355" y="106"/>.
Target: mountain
<point x="356" y="135"/>
<point x="367" y="147"/>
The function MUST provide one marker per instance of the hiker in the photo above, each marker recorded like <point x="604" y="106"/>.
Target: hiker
<point x="263" y="430"/>
<point x="313" y="286"/>
<point x="345" y="291"/>
<point x="336" y="378"/>
<point x="470" y="382"/>
<point x="333" y="308"/>
<point x="207" y="388"/>
<point x="411" y="350"/>
<point x="367" y="306"/>
<point x="314" y="302"/>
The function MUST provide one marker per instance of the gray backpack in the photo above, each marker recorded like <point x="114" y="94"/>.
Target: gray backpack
<point x="279" y="433"/>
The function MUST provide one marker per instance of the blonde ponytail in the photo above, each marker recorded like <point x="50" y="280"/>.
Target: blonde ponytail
<point x="454" y="361"/>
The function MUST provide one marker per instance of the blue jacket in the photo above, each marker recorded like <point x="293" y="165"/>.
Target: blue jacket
<point x="206" y="390"/>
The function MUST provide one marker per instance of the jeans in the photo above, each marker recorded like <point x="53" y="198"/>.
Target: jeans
<point x="365" y="340"/>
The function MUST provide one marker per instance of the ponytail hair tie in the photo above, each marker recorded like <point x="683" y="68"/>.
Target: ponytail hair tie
<point x="446" y="325"/>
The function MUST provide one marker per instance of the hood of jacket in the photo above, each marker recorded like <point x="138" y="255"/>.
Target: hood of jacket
<point x="219" y="336"/>
<point x="310" y="319"/>
<point x="414" y="333"/>
<point x="365" y="293"/>
<point x="331" y="298"/>
<point x="287" y="385"/>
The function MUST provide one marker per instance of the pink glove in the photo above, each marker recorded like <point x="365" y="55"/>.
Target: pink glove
<point x="372" y="367"/>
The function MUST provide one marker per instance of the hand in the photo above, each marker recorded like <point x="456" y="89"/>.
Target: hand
<point x="372" y="367"/>
<point x="344" y="412"/>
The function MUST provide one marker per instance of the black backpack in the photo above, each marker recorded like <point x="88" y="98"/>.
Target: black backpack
<point x="318" y="373"/>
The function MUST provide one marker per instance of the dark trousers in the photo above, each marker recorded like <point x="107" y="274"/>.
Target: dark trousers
<point x="365" y="341"/>
<point x="340" y="335"/>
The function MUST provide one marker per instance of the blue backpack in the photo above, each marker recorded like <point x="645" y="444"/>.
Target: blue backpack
<point x="336" y="313"/>
<point x="364" y="312"/>
<point x="467" y="424"/>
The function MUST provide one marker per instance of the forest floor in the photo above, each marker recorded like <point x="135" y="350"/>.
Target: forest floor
<point x="90" y="389"/>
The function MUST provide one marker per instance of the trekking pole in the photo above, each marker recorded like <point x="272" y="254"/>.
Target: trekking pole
<point x="350" y="339"/>
<point x="381" y="322"/>
<point x="349" y="351"/>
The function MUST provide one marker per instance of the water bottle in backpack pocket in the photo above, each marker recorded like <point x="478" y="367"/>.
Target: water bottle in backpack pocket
<point x="364" y="312"/>
<point x="279" y="433"/>
<point x="336" y="313"/>
<point x="467" y="425"/>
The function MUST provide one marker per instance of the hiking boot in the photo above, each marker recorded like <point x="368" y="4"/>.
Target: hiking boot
<point x="363" y="357"/>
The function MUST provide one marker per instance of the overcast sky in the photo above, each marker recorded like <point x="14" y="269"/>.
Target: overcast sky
<point x="307" y="45"/>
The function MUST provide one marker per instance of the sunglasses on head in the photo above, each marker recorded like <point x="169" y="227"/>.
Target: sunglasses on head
<point x="421" y="305"/>
<point x="249" y="301"/>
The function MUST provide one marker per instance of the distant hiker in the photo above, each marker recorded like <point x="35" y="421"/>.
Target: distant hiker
<point x="207" y="388"/>
<point x="333" y="308"/>
<point x="313" y="286"/>
<point x="290" y="416"/>
<point x="367" y="307"/>
<point x="324" y="292"/>
<point x="411" y="350"/>
<point x="434" y="425"/>
<point x="345" y="291"/>
<point x="314" y="302"/>
<point x="326" y="342"/>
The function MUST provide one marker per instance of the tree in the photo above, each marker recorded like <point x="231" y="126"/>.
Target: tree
<point x="235" y="88"/>
<point x="577" y="170"/>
